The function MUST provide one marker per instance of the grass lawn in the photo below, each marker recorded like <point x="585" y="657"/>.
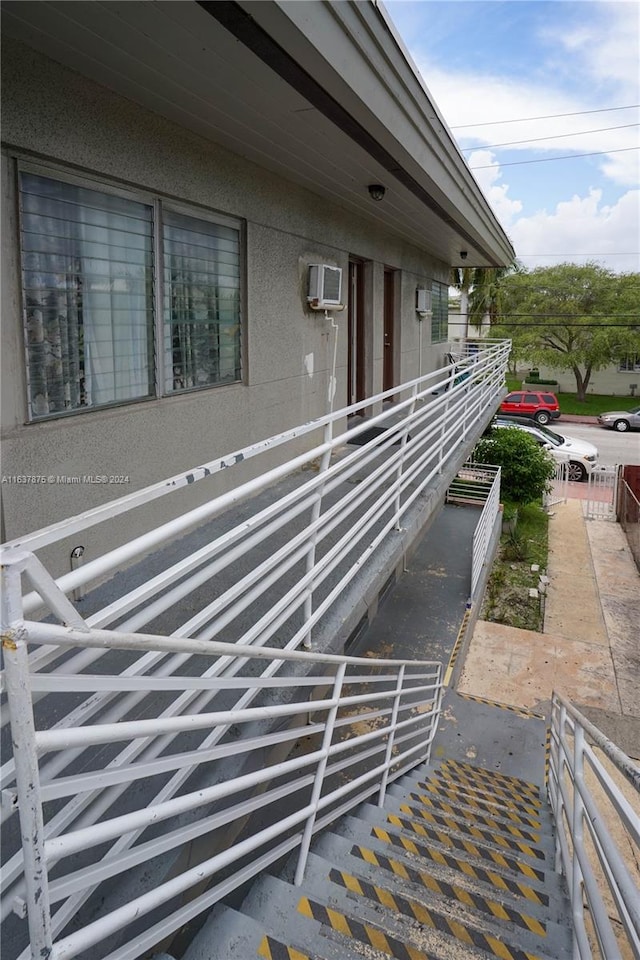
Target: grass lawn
<point x="594" y="404"/>
<point x="507" y="597"/>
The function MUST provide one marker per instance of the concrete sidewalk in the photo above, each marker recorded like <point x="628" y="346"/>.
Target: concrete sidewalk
<point x="590" y="648"/>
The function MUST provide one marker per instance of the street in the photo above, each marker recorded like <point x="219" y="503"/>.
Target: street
<point x="612" y="447"/>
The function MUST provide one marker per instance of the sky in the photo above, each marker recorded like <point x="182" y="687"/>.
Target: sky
<point x="574" y="63"/>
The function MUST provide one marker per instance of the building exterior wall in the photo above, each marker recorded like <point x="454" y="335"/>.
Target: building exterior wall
<point x="610" y="381"/>
<point x="54" y="116"/>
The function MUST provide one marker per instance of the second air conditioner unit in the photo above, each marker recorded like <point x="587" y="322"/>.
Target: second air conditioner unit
<point x="325" y="287"/>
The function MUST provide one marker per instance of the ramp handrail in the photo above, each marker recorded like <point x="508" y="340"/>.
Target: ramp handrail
<point x="220" y="747"/>
<point x="586" y="778"/>
<point x="263" y="583"/>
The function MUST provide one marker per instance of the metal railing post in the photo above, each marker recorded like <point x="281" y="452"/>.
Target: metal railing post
<point x="403" y="445"/>
<point x="577" y="814"/>
<point x="305" y="843"/>
<point x="392" y="729"/>
<point x="27" y="777"/>
<point x="553" y="789"/>
<point x="315" y="513"/>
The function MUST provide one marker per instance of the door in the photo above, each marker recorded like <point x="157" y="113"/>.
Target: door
<point x="388" y="358"/>
<point x="356" y="346"/>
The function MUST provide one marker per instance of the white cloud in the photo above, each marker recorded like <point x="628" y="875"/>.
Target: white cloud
<point x="581" y="63"/>
<point x="582" y="229"/>
<point x="496" y="193"/>
<point x="511" y="98"/>
<point x="607" y="44"/>
<point x="580" y="68"/>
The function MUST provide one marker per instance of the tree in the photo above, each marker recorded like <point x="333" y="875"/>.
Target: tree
<point x="480" y="294"/>
<point x="572" y="317"/>
<point x="526" y="467"/>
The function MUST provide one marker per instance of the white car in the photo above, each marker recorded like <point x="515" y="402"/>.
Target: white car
<point x="582" y="457"/>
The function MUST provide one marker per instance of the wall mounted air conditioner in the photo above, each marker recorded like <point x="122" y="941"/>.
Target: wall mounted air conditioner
<point x="325" y="287"/>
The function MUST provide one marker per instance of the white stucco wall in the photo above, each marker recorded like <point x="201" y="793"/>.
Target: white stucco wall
<point x="609" y="381"/>
<point x="51" y="114"/>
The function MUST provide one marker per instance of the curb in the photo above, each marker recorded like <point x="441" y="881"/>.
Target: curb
<point x="575" y="418"/>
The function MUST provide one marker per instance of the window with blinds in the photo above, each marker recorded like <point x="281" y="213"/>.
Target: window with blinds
<point x="201" y="302"/>
<point x="439" y="312"/>
<point x="89" y="260"/>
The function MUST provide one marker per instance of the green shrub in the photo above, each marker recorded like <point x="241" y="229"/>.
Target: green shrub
<point x="526" y="468"/>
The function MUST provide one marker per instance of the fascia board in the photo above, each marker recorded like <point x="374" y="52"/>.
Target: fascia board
<point x="350" y="49"/>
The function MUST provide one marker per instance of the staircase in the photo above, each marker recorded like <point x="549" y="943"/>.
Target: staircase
<point x="458" y="863"/>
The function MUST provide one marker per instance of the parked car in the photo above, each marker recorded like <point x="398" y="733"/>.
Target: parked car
<point x="621" y="420"/>
<point x="581" y="456"/>
<point x="539" y="405"/>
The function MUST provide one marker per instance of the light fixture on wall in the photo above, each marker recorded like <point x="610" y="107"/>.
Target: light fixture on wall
<point x="463" y="254"/>
<point x="376" y="191"/>
<point x="423" y="303"/>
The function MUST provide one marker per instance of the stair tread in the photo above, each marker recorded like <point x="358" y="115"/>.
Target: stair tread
<point x="468" y="819"/>
<point x="374" y="924"/>
<point x="451" y="791"/>
<point x="427" y="824"/>
<point x="457" y="895"/>
<point x="368" y="831"/>
<point x="441" y="783"/>
<point x="376" y="858"/>
<point x="230" y="934"/>
<point x="457" y="805"/>
<point x="498" y="779"/>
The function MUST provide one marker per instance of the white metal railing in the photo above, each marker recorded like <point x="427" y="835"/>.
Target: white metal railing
<point x="267" y="580"/>
<point x="478" y="484"/>
<point x="601" y="501"/>
<point x="557" y="491"/>
<point x="585" y="789"/>
<point x="202" y="752"/>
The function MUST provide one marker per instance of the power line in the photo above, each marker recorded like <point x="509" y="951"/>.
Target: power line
<point x="550" y="116"/>
<point x="578" y="133"/>
<point x="615" y="253"/>
<point x="564" y="316"/>
<point x="567" y="326"/>
<point x="571" y="156"/>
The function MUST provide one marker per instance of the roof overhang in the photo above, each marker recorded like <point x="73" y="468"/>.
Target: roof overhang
<point x="322" y="93"/>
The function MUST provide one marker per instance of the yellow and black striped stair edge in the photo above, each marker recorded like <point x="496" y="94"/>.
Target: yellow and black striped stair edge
<point x="460" y="779"/>
<point x="377" y="938"/>
<point x="272" y="949"/>
<point x="476" y="805"/>
<point x="471" y="870"/>
<point x="547" y="756"/>
<point x="498" y="787"/>
<point x="452" y="892"/>
<point x="508" y="811"/>
<point x="493" y="776"/>
<point x="465" y="846"/>
<point x="439" y="783"/>
<point x="457" y="647"/>
<point x="498" y="839"/>
<point x="520" y="711"/>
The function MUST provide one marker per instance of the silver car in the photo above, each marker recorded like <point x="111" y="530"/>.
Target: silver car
<point x="621" y="420"/>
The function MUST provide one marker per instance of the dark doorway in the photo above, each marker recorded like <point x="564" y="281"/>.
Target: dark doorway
<point x="388" y="359"/>
<point x="356" y="347"/>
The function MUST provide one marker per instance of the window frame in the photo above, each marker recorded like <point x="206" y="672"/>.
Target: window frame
<point x="631" y="363"/>
<point x="158" y="203"/>
<point x="439" y="298"/>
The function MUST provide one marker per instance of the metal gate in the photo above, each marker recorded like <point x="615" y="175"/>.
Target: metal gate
<point x="602" y="497"/>
<point x="557" y="492"/>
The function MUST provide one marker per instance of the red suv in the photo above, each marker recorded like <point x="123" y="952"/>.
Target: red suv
<point x="541" y="407"/>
